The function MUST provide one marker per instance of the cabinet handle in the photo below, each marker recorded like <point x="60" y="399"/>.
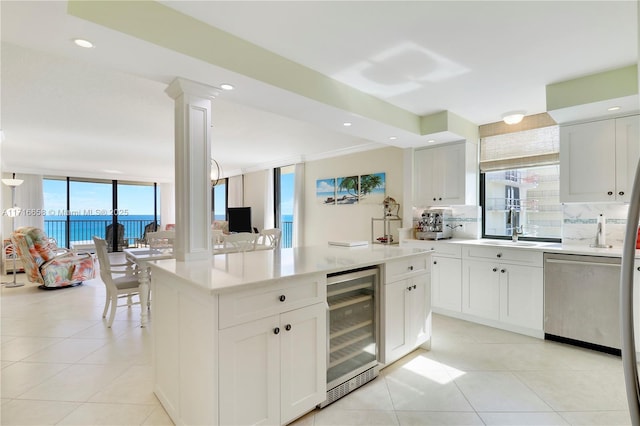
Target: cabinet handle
<point x="499" y="255"/>
<point x="414" y="286"/>
<point x="638" y="268"/>
<point x="434" y="198"/>
<point x="411" y="268"/>
<point x="276" y="330"/>
<point x="287" y="327"/>
<point x="439" y="198"/>
<point x="282" y="298"/>
<point x="503" y="270"/>
<point x="621" y="193"/>
<point x="610" y="193"/>
<point x="495" y="269"/>
<point x="409" y="288"/>
<point x="435" y="262"/>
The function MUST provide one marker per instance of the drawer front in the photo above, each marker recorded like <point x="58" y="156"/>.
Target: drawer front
<point x="270" y="299"/>
<point x="505" y="255"/>
<point x="445" y="249"/>
<point x="399" y="269"/>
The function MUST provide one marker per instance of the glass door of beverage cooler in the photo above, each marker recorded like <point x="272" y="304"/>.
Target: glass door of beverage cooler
<point x="353" y="324"/>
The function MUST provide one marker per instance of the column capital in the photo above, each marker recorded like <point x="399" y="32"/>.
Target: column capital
<point x="181" y="86"/>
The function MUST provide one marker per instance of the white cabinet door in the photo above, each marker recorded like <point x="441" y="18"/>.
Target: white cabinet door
<point x="521" y="296"/>
<point x="440" y="175"/>
<point x="396" y="323"/>
<point x="419" y="318"/>
<point x="481" y="289"/>
<point x="598" y="160"/>
<point x="627" y="154"/>
<point x="273" y="369"/>
<point x="407" y="316"/>
<point x="446" y="283"/>
<point x="250" y="373"/>
<point x="303" y="347"/>
<point x="587" y="162"/>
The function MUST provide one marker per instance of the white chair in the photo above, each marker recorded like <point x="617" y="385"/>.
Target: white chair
<point x="161" y="239"/>
<point x="269" y="239"/>
<point x="121" y="280"/>
<point x="240" y="242"/>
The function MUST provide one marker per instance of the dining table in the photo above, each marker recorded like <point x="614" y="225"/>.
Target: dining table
<point x="141" y="257"/>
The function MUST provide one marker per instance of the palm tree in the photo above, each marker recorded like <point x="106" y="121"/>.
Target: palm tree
<point x="368" y="183"/>
<point x="349" y="184"/>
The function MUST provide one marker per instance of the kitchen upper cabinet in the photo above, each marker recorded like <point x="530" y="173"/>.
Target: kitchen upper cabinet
<point x="598" y="160"/>
<point x="445" y="175"/>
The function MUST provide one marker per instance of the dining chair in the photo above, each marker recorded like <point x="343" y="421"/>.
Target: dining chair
<point x="120" y="280"/>
<point x="239" y="242"/>
<point x="269" y="239"/>
<point x="161" y="239"/>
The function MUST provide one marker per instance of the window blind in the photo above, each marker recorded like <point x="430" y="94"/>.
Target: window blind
<point x="535" y="147"/>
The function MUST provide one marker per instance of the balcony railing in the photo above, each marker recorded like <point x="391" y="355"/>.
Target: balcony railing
<point x="85" y="229"/>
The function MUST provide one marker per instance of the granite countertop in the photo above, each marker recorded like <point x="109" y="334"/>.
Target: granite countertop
<point x="226" y="272"/>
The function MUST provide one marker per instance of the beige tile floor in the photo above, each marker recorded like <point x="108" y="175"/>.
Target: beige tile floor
<point x="62" y="365"/>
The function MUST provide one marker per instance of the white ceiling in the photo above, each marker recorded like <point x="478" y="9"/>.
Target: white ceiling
<point x="103" y="112"/>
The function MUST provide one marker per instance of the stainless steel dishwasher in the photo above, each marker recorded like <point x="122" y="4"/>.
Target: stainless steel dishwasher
<point x="581" y="301"/>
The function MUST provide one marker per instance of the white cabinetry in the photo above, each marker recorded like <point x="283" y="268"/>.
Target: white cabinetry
<point x="407" y="306"/>
<point x="446" y="277"/>
<point x="272" y="369"/>
<point x="598" y="159"/>
<point x="445" y="175"/>
<point x="504" y="286"/>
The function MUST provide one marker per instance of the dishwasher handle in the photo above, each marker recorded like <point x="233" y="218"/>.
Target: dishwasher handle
<point x="581" y="263"/>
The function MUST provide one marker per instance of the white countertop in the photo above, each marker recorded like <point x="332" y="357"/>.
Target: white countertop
<point x="224" y="272"/>
<point x="527" y="245"/>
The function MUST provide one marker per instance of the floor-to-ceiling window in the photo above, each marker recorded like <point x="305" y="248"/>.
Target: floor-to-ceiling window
<point x="78" y="209"/>
<point x="284" y="180"/>
<point x="219" y="197"/>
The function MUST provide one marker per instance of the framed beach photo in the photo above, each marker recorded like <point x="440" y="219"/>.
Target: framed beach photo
<point x="372" y="188"/>
<point x="326" y="191"/>
<point x="347" y="191"/>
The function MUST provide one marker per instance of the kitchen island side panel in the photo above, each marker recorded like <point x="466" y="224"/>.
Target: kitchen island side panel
<point x="185" y="350"/>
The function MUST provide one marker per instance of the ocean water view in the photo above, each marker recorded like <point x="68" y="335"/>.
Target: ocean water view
<point x="84" y="227"/>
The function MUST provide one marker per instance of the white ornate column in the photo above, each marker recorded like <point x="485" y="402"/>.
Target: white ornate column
<point x="192" y="168"/>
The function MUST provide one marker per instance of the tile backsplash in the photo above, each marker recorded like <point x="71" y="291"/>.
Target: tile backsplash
<point x="579" y="222"/>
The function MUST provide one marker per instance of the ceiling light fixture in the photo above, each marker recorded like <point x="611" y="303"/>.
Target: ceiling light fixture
<point x="513" y="117"/>
<point x="613" y="108"/>
<point x="393" y="138"/>
<point x="226" y="86"/>
<point x="346" y="124"/>
<point x="431" y="141"/>
<point x="83" y="43"/>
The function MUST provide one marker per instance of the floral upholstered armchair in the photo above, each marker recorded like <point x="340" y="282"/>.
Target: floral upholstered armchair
<point x="49" y="265"/>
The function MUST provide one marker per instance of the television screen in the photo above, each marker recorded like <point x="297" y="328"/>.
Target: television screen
<point x="239" y="219"/>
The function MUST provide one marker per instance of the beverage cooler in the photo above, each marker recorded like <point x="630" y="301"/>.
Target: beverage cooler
<point x="352" y="324"/>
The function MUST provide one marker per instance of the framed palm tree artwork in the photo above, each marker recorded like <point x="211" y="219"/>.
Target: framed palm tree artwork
<point x="347" y="190"/>
<point x="372" y="188"/>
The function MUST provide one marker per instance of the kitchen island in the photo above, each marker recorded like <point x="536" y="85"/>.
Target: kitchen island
<point x="241" y="338"/>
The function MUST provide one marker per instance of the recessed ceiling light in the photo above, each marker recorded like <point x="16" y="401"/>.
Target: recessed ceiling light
<point x="226" y="86"/>
<point x="431" y="141"/>
<point x="393" y="138"/>
<point x="83" y="43"/>
<point x="346" y="124"/>
<point x="613" y="108"/>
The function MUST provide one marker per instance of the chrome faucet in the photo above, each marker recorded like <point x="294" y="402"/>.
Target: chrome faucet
<point x="598" y="242"/>
<point x="515" y="230"/>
